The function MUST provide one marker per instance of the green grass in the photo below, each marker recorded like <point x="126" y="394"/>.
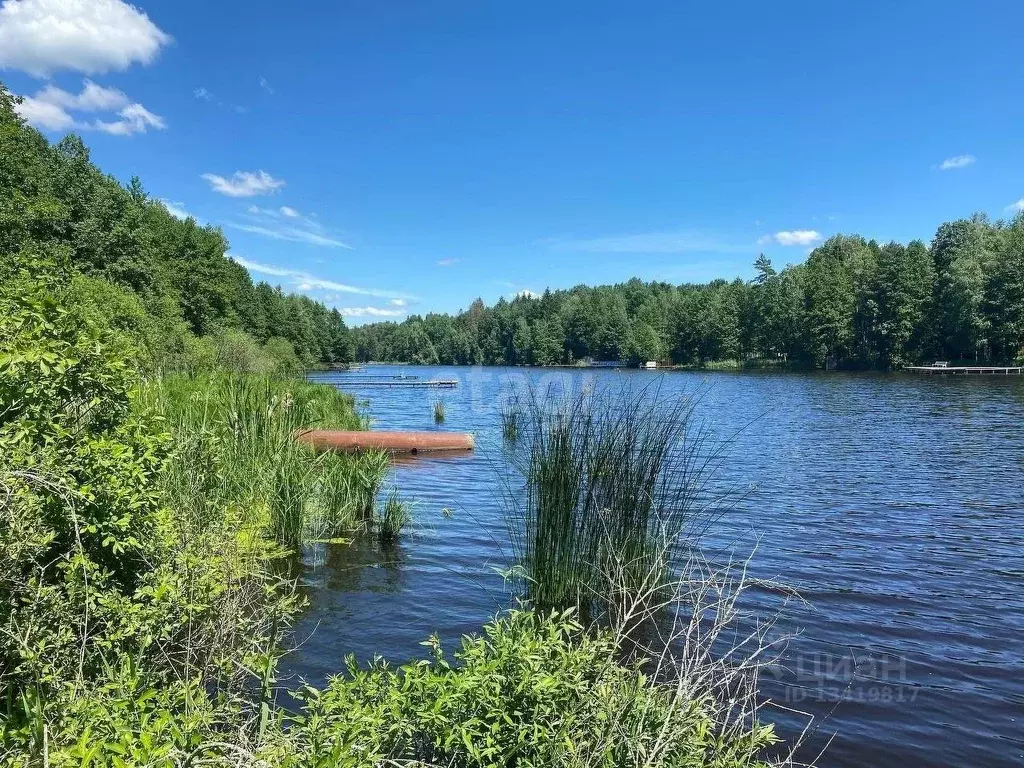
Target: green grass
<point x="510" y="417"/>
<point x="242" y="429"/>
<point x="439" y="411"/>
<point x="393" y="517"/>
<point x="611" y="482"/>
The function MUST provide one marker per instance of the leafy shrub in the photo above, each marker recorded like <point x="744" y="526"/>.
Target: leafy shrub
<point x="95" y="567"/>
<point x="532" y="691"/>
<point x="78" y="476"/>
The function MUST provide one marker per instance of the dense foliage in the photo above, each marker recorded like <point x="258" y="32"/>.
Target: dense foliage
<point x="853" y="303"/>
<point x="532" y="691"/>
<point x="167" y="280"/>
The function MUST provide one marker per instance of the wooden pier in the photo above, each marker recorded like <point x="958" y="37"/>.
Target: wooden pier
<point x="967" y="370"/>
<point x="371" y="378"/>
<point x="397" y="383"/>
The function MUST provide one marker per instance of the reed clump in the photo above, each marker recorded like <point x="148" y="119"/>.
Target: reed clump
<point x="392" y="518"/>
<point x="510" y="422"/>
<point x="613" y="481"/>
<point x="439" y="413"/>
<point x="237" y="438"/>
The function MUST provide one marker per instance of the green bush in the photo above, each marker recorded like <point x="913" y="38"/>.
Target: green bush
<point x="96" y="568"/>
<point x="78" y="476"/>
<point x="532" y="691"/>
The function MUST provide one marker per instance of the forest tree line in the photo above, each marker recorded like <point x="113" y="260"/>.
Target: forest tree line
<point x="167" y="281"/>
<point x="852" y="304"/>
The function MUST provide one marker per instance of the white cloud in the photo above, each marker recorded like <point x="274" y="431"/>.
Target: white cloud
<point x="1016" y="207"/>
<point x="292" y="234"/>
<point x="204" y="94"/>
<point x="266" y="86"/>
<point x="793" y="237"/>
<point x="135" y="118"/>
<point x="177" y="210"/>
<point x="527" y="294"/>
<point x="960" y="161"/>
<point x="41" y="37"/>
<point x="397" y="302"/>
<point x="649" y="242"/>
<point x="244" y="184"/>
<point x="287" y="224"/>
<point x="45" y="115"/>
<point x="93" y="98"/>
<point x="304" y="281"/>
<point x="51" y="108"/>
<point x="448" y="262"/>
<point x="370" y="312"/>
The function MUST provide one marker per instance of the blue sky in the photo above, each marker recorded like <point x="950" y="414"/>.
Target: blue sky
<point x="396" y="157"/>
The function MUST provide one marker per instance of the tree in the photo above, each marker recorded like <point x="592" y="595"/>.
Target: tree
<point x="904" y="286"/>
<point x="644" y="344"/>
<point x="958" y="251"/>
<point x="1005" y="295"/>
<point x="833" y="275"/>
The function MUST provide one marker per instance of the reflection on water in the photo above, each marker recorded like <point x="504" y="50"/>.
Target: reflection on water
<point x="893" y="504"/>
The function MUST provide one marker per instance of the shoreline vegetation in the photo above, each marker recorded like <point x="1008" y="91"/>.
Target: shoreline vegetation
<point x="852" y="304"/>
<point x="152" y="498"/>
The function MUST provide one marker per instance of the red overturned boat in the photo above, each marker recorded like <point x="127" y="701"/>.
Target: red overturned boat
<point x="392" y="442"/>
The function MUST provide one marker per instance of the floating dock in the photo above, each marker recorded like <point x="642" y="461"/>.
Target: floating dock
<point x="967" y="370"/>
<point x="394" y="383"/>
<point x="392" y="442"/>
<point x="369" y="378"/>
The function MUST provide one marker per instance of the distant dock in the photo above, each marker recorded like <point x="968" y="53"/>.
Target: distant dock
<point x="371" y="378"/>
<point x="397" y="383"/>
<point x="967" y="370"/>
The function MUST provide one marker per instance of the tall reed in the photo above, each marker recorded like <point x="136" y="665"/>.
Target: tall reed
<point x="237" y="438"/>
<point x="392" y="519"/>
<point x="510" y="422"/>
<point x="613" y="481"/>
<point x="439" y="411"/>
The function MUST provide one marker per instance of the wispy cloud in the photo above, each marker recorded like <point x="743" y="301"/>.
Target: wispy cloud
<point x="371" y="312"/>
<point x="648" y="242"/>
<point x="266" y="86"/>
<point x="177" y="210"/>
<point x="287" y="224"/>
<point x="303" y="281"/>
<point x="51" y="109"/>
<point x="792" y="237"/>
<point x="284" y="212"/>
<point x="448" y="262"/>
<point x="203" y="94"/>
<point x="291" y="235"/>
<point x="398" y="302"/>
<point x="1016" y="207"/>
<point x="41" y="37"/>
<point x="244" y="184"/>
<point x="960" y="161"/>
<point x="135" y="118"/>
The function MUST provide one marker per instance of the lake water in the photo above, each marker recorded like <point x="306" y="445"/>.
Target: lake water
<point x="893" y="504"/>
